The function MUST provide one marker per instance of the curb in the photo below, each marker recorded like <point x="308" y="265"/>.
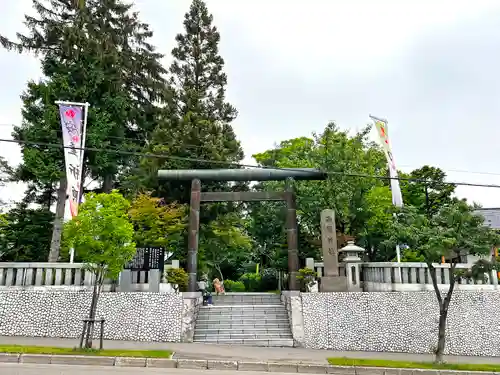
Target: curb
<point x="202" y="364"/>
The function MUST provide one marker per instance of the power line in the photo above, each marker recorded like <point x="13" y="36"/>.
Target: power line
<point x="141" y="143"/>
<point x="228" y="163"/>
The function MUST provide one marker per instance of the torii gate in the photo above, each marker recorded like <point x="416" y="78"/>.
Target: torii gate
<point x="257" y="174"/>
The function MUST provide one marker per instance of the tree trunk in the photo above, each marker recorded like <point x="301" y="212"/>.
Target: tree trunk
<point x="107" y="185"/>
<point x="55" y="243"/>
<point x="217" y="267"/>
<point x="443" y="314"/>
<point x="443" y="309"/>
<point x="89" y="334"/>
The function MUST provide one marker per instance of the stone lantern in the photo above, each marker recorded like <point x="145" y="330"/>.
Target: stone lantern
<point x="352" y="261"/>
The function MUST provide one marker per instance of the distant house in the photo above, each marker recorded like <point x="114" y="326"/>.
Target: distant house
<point x="491" y="217"/>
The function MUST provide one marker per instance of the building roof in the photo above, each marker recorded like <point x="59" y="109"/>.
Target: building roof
<point x="491" y="216"/>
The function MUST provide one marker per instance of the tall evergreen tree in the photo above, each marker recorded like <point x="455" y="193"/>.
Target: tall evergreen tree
<point x="94" y="51"/>
<point x="197" y="118"/>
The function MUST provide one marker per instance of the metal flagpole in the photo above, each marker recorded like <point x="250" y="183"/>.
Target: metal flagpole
<point x="82" y="151"/>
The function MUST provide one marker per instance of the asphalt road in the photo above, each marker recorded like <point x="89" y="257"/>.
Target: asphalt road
<point x="25" y="369"/>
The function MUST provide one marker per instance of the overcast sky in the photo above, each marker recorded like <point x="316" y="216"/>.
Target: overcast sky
<point x="431" y="67"/>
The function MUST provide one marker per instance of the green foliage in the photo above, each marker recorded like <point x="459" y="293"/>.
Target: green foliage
<point x="378" y="213"/>
<point x="158" y="224"/>
<point x="454" y="230"/>
<point x="197" y="118"/>
<point x="223" y="242"/>
<point x="352" y="198"/>
<point x="268" y="279"/>
<point x="25" y="234"/>
<point x="234" y="286"/>
<point x="439" y="192"/>
<point x="408" y="255"/>
<point x="102" y="235"/>
<point x="252" y="282"/>
<point x="97" y="53"/>
<point x="307" y="277"/>
<point x="177" y="277"/>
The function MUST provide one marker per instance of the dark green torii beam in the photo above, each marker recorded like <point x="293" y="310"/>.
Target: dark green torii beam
<point x="255" y="174"/>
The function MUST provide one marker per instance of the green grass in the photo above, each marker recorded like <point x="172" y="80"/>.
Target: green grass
<point x="418" y="365"/>
<point x="91" y="352"/>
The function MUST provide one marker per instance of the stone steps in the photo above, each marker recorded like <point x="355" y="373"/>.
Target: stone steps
<point x="246" y="299"/>
<point x="250" y="342"/>
<point x="237" y="329"/>
<point x="238" y="325"/>
<point x="257" y="319"/>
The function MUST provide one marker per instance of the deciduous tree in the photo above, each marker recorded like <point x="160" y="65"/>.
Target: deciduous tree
<point x="159" y="224"/>
<point x="102" y="235"/>
<point x="430" y="180"/>
<point x="342" y="157"/>
<point x="453" y="231"/>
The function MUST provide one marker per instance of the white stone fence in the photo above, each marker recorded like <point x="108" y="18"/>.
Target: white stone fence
<point x="404" y="276"/>
<point x="73" y="276"/>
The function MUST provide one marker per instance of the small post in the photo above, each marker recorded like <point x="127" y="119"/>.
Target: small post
<point x="101" y="338"/>
<point x="194" y="225"/>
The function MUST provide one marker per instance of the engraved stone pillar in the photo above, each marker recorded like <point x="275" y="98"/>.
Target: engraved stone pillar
<point x="331" y="281"/>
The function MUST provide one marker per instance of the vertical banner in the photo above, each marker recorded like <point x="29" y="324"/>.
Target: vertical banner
<point x="72" y="122"/>
<point x="382" y="131"/>
<point x="397" y="197"/>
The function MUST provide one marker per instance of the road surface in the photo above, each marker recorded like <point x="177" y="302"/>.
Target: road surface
<point x="26" y="369"/>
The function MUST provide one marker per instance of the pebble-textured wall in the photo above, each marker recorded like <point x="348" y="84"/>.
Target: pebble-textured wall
<point x="401" y="322"/>
<point x="129" y="316"/>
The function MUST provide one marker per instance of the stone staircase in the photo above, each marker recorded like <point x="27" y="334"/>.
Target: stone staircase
<point x="257" y="319"/>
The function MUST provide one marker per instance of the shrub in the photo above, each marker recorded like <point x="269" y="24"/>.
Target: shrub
<point x="177" y="277"/>
<point x="307" y="277"/>
<point x="234" y="286"/>
<point x="269" y="280"/>
<point x="252" y="282"/>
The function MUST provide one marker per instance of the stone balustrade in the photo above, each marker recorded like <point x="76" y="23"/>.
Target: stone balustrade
<point x="414" y="276"/>
<point x="40" y="275"/>
<point x="403" y="277"/>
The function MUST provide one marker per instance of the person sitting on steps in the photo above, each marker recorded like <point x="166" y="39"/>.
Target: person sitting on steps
<point x="207" y="296"/>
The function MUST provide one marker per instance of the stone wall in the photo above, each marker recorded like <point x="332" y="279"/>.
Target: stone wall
<point x="293" y="305"/>
<point x="129" y="316"/>
<point x="401" y="322"/>
<point x="191" y="307"/>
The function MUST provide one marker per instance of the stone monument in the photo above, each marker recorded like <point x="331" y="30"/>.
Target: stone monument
<point x="331" y="280"/>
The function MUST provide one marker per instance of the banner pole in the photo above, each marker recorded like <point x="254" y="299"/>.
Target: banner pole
<point x="82" y="154"/>
<point x="73" y="160"/>
<point x="397" y="198"/>
<point x="82" y="151"/>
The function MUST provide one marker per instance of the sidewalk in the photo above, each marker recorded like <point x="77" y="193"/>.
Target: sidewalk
<point x="244" y="353"/>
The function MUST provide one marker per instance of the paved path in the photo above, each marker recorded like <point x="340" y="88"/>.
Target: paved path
<point x="17" y="369"/>
<point x="242" y="353"/>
